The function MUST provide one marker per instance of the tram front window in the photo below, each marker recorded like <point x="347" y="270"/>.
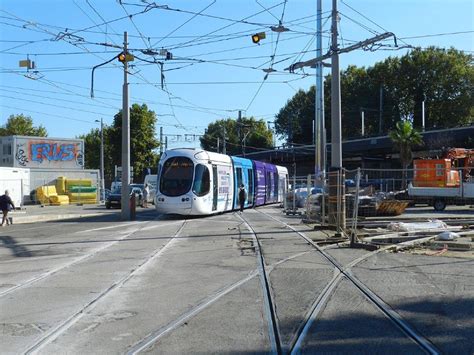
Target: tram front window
<point x="177" y="176"/>
<point x="202" y="181"/>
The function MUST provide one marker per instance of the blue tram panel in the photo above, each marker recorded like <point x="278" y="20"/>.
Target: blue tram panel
<point x="198" y="182"/>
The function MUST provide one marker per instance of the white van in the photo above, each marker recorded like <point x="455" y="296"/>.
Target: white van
<point x="151" y="181"/>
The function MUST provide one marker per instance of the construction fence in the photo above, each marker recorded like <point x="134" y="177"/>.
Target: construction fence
<point x="376" y="192"/>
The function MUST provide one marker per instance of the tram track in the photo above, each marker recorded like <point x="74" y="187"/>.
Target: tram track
<point x="344" y="272"/>
<point x="77" y="260"/>
<point x="55" y="332"/>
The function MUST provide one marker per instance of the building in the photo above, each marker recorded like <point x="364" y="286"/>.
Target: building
<point x="46" y="159"/>
<point x="41" y="152"/>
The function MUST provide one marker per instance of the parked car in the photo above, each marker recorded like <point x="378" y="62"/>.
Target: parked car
<point x="115" y="197"/>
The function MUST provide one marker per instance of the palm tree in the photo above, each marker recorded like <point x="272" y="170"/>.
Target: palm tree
<point x="404" y="136"/>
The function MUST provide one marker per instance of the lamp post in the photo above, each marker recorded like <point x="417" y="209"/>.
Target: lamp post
<point x="102" y="180"/>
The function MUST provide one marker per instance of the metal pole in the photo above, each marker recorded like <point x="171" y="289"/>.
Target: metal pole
<point x="319" y="141"/>
<point x="363" y="122"/>
<point x="423" y="115"/>
<point x="166" y="143"/>
<point x="381" y="110"/>
<point x="102" y="171"/>
<point x="125" y="139"/>
<point x="161" y="140"/>
<point x="223" y="144"/>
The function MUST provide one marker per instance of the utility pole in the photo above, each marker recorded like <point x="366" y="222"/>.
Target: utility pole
<point x="319" y="125"/>
<point x="102" y="180"/>
<point x="336" y="175"/>
<point x="223" y="144"/>
<point x="218" y="144"/>
<point x="166" y="143"/>
<point x="161" y="141"/>
<point x="381" y="110"/>
<point x="125" y="197"/>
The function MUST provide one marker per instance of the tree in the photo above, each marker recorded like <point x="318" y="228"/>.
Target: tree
<point x="22" y="125"/>
<point x="295" y="120"/>
<point x="143" y="141"/>
<point x="405" y="137"/>
<point x="247" y="133"/>
<point x="92" y="151"/>
<point x="443" y="79"/>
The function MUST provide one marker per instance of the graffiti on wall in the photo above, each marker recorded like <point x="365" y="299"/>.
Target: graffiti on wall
<point x="49" y="153"/>
<point x="55" y="152"/>
<point x="21" y="155"/>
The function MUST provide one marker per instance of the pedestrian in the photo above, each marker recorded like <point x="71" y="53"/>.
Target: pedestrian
<point x="242" y="197"/>
<point x="146" y="192"/>
<point x="5" y="203"/>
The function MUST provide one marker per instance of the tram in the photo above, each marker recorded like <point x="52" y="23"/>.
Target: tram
<point x="197" y="182"/>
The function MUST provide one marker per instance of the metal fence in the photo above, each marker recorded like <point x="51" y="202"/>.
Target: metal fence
<point x="365" y="193"/>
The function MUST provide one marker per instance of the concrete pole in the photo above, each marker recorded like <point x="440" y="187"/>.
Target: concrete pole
<point x="336" y="147"/>
<point x="319" y="125"/>
<point x="125" y="197"/>
<point x="102" y="179"/>
<point x="336" y="177"/>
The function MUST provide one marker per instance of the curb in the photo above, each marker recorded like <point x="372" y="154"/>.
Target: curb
<point x="48" y="218"/>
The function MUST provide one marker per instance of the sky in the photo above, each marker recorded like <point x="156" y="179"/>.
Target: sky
<point x="215" y="71"/>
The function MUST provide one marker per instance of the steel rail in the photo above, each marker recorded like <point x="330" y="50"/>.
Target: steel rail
<point x="74" y="261"/>
<point x="52" y="334"/>
<point x="274" y="330"/>
<point x="391" y="314"/>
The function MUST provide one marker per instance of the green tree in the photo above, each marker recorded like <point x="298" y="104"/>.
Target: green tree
<point x="294" y="121"/>
<point x="404" y="137"/>
<point x="442" y="78"/>
<point x="22" y="125"/>
<point x="248" y="133"/>
<point x="143" y="141"/>
<point x="92" y="151"/>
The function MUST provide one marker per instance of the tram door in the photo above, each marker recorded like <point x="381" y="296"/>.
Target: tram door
<point x="215" y="187"/>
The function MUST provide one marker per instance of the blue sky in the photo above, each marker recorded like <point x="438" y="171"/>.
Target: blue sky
<point x="216" y="69"/>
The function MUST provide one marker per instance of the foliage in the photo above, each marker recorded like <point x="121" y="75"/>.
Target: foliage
<point x="142" y="143"/>
<point x="443" y="78"/>
<point x="257" y="136"/>
<point x="404" y="137"/>
<point x="21" y="125"/>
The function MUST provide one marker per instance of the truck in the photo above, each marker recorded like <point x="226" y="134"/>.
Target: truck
<point x="445" y="181"/>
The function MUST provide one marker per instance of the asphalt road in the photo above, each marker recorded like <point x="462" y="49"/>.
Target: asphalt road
<point x="169" y="285"/>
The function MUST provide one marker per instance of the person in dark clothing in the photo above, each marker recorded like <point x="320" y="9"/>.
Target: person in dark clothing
<point x="242" y="197"/>
<point x="5" y="203"/>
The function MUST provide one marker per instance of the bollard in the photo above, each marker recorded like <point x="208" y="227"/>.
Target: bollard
<point x="133" y="205"/>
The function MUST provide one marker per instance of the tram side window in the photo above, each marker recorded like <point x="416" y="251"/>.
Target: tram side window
<point x="202" y="181"/>
<point x="275" y="186"/>
<point x="269" y="185"/>
<point x="176" y="176"/>
<point x="250" y="192"/>
<point x="238" y="173"/>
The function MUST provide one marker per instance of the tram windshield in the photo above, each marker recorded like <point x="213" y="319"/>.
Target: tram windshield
<point x="176" y="176"/>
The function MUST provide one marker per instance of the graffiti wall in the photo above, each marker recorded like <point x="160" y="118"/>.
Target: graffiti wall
<point x="48" y="153"/>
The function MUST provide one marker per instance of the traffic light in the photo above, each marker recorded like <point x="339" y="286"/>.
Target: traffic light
<point x="125" y="57"/>
<point x="258" y="36"/>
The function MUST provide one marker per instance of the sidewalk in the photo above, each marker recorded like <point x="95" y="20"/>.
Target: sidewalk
<point x="38" y="213"/>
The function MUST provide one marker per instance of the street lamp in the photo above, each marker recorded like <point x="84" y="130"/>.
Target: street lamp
<point x="102" y="181"/>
